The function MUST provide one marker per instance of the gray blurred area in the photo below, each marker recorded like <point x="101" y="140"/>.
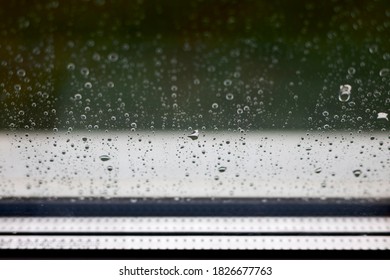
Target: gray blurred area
<point x="217" y="164"/>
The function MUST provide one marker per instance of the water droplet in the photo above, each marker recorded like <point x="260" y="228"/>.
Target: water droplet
<point x="71" y="66"/>
<point x="88" y="85"/>
<point x="357" y="172"/>
<point x="318" y="170"/>
<point x="194" y="135"/>
<point x="229" y="96"/>
<point x="345" y="93"/>
<point x="351" y="71"/>
<point x="96" y="57"/>
<point x="110" y="168"/>
<point x="384" y="72"/>
<point x="78" y="96"/>
<point x="382" y="116"/>
<point x="325" y="113"/>
<point x="222" y="169"/>
<point x="21" y="73"/>
<point x="133" y="125"/>
<point x="84" y="71"/>
<point x="113" y="57"/>
<point x="214" y="105"/>
<point x="227" y="82"/>
<point x="104" y="157"/>
<point x="346" y="88"/>
<point x="373" y="49"/>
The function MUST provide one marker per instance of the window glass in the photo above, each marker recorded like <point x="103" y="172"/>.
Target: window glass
<point x="195" y="99"/>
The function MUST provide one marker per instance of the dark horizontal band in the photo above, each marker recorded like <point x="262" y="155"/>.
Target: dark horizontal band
<point x="59" y="254"/>
<point x="199" y="207"/>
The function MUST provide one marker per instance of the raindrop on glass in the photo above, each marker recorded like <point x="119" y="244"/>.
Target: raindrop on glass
<point x="194" y="135"/>
<point x="384" y="72"/>
<point x="71" y="66"/>
<point x="84" y="71"/>
<point x="229" y="96"/>
<point x="227" y="82"/>
<point x="222" y="169"/>
<point x="104" y="157"/>
<point x="357" y="172"/>
<point x="345" y="93"/>
<point x="382" y="116"/>
<point x="113" y="57"/>
<point x="88" y="85"/>
<point x="351" y="71"/>
<point x="21" y="73"/>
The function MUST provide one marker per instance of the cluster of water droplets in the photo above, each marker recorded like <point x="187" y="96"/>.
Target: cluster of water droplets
<point x="195" y="111"/>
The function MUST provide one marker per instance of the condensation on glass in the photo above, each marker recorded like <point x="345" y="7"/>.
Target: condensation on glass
<point x="194" y="99"/>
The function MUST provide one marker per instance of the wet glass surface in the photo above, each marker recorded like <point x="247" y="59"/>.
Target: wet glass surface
<point x="195" y="99"/>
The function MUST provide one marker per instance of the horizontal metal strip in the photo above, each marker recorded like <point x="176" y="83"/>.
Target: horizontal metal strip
<point x="198" y="242"/>
<point x="195" y="233"/>
<point x="177" y="225"/>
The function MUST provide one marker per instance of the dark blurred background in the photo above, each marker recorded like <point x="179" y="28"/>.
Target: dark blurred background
<point x="177" y="65"/>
